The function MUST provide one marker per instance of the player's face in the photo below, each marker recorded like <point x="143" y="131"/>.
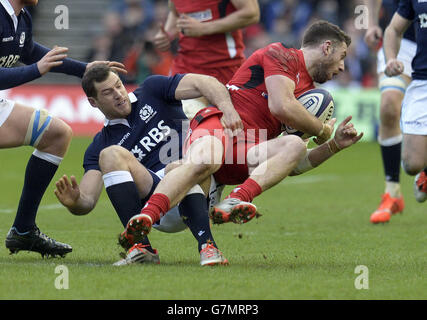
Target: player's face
<point x="331" y="63"/>
<point x="29" y="2"/>
<point x="112" y="98"/>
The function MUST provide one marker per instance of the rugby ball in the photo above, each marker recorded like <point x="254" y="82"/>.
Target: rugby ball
<point x="319" y="103"/>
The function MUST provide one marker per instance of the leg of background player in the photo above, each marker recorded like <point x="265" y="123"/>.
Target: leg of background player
<point x="414" y="159"/>
<point x="390" y="140"/>
<point x="41" y="167"/>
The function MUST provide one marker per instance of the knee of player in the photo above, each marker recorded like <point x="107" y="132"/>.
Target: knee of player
<point x="294" y="145"/>
<point x="412" y="166"/>
<point x="59" y="133"/>
<point x="112" y="156"/>
<point x="390" y="106"/>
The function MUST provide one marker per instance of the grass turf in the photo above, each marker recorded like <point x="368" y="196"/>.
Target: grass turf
<point x="314" y="232"/>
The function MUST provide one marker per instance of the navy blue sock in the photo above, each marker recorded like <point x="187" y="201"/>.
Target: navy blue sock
<point x="38" y="175"/>
<point x="391" y="161"/>
<point x="194" y="211"/>
<point x="127" y="203"/>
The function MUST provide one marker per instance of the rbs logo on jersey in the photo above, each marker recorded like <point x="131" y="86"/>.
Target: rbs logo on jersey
<point x="9" y="61"/>
<point x="151" y="140"/>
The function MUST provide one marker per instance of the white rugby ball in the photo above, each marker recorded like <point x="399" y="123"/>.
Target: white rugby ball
<point x="318" y="102"/>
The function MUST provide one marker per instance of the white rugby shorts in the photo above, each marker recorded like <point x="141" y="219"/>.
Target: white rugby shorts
<point x="414" y="112"/>
<point x="6" y="107"/>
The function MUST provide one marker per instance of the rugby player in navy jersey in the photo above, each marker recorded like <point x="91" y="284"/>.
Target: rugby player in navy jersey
<point x="21" y="125"/>
<point x="414" y="112"/>
<point x="392" y="92"/>
<point x="143" y="132"/>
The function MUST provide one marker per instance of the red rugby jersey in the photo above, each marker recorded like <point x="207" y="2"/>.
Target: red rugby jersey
<point x="218" y="50"/>
<point x="248" y="91"/>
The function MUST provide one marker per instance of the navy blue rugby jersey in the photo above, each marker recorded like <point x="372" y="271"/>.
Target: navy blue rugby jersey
<point x="388" y="8"/>
<point x="152" y="132"/>
<point x="19" y="46"/>
<point x="416" y="11"/>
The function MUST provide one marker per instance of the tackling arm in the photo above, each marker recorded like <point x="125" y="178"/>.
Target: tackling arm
<point x="196" y="85"/>
<point x="80" y="199"/>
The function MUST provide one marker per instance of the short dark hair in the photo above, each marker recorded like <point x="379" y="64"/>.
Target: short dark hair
<point x="97" y="73"/>
<point x="323" y="30"/>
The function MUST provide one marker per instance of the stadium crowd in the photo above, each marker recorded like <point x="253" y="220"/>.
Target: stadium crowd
<point x="130" y="25"/>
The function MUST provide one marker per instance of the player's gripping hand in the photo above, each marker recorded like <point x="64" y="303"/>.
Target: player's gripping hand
<point x="373" y="37"/>
<point x="117" y="66"/>
<point x="52" y="59"/>
<point x="231" y="123"/>
<point x="162" y="40"/>
<point x="326" y="132"/>
<point x="393" y="68"/>
<point x="191" y="27"/>
<point x="346" y="134"/>
<point x="68" y="193"/>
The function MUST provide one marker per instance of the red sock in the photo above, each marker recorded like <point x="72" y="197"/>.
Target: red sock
<point x="246" y="191"/>
<point x="156" y="206"/>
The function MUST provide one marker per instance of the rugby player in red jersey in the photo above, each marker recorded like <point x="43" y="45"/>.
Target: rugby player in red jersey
<point x="210" y="36"/>
<point x="263" y="92"/>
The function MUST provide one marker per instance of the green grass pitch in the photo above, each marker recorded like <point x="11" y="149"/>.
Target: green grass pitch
<point x="313" y="234"/>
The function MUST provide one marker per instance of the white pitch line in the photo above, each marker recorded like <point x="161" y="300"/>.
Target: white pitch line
<point x="309" y="179"/>
<point x="45" y="207"/>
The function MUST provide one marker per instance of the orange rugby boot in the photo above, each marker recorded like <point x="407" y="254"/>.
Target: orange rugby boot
<point x="388" y="207"/>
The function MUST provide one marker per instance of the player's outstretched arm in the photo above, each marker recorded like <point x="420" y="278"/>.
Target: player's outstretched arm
<point x="196" y="85"/>
<point x="345" y="136"/>
<point x="79" y="199"/>
<point x="247" y="13"/>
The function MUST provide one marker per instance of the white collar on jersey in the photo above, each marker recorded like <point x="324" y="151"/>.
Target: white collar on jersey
<point x="9" y="9"/>
<point x="112" y="122"/>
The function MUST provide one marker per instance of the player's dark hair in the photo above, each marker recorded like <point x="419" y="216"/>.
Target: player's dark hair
<point x="323" y="30"/>
<point x="97" y="73"/>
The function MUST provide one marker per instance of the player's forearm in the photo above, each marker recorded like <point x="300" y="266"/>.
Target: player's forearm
<point x="234" y="21"/>
<point x="293" y="114"/>
<point x="316" y="157"/>
<point x="373" y="11"/>
<point x="216" y="93"/>
<point x="13" y="77"/>
<point x="82" y="206"/>
<point x="392" y="39"/>
<point x="170" y="26"/>
<point x="69" y="66"/>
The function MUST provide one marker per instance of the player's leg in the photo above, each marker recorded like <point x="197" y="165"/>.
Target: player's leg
<point x="269" y="163"/>
<point x="414" y="160"/>
<point x="126" y="182"/>
<point x="193" y="210"/>
<point x="390" y="140"/>
<point x="203" y="158"/>
<point x="414" y="128"/>
<point x="50" y="137"/>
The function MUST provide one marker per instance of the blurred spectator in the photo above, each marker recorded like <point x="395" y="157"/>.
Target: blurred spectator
<point x="129" y="27"/>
